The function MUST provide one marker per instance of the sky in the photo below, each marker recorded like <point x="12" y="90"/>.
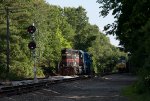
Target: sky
<point x="92" y="9"/>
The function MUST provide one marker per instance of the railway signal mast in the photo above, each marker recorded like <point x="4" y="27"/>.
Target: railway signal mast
<point x="32" y="46"/>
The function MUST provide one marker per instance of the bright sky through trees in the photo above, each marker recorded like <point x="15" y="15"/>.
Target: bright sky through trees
<point x="92" y="9"/>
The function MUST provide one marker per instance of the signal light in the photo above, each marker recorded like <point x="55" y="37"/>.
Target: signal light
<point x="31" y="29"/>
<point x="32" y="45"/>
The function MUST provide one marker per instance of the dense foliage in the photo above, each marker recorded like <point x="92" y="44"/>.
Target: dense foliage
<point x="132" y="28"/>
<point x="57" y="28"/>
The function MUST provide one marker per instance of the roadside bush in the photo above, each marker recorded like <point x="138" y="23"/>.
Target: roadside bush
<point x="143" y="83"/>
<point x="133" y="95"/>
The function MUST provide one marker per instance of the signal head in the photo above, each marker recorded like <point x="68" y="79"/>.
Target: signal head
<point x="32" y="45"/>
<point x="31" y="29"/>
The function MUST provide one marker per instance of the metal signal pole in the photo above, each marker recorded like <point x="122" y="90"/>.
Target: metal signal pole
<point x="32" y="46"/>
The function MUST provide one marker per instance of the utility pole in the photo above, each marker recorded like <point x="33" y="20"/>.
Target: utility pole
<point x="8" y="39"/>
<point x="7" y="11"/>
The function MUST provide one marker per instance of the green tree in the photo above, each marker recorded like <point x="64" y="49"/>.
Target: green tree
<point x="132" y="28"/>
<point x="130" y="16"/>
<point x="76" y="17"/>
<point x="87" y="35"/>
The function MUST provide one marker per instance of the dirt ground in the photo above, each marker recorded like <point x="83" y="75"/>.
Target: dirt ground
<point x="107" y="88"/>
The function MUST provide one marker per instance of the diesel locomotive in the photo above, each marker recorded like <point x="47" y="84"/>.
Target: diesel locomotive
<point x="121" y="64"/>
<point x="75" y="62"/>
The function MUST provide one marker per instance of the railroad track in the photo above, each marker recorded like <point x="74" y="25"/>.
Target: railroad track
<point x="30" y="87"/>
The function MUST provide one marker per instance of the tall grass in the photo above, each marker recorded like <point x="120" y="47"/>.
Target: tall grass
<point x="135" y="93"/>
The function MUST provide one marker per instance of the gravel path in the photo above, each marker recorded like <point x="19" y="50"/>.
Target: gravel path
<point x="107" y="88"/>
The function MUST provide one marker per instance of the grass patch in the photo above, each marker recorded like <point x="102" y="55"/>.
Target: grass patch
<point x="133" y="94"/>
